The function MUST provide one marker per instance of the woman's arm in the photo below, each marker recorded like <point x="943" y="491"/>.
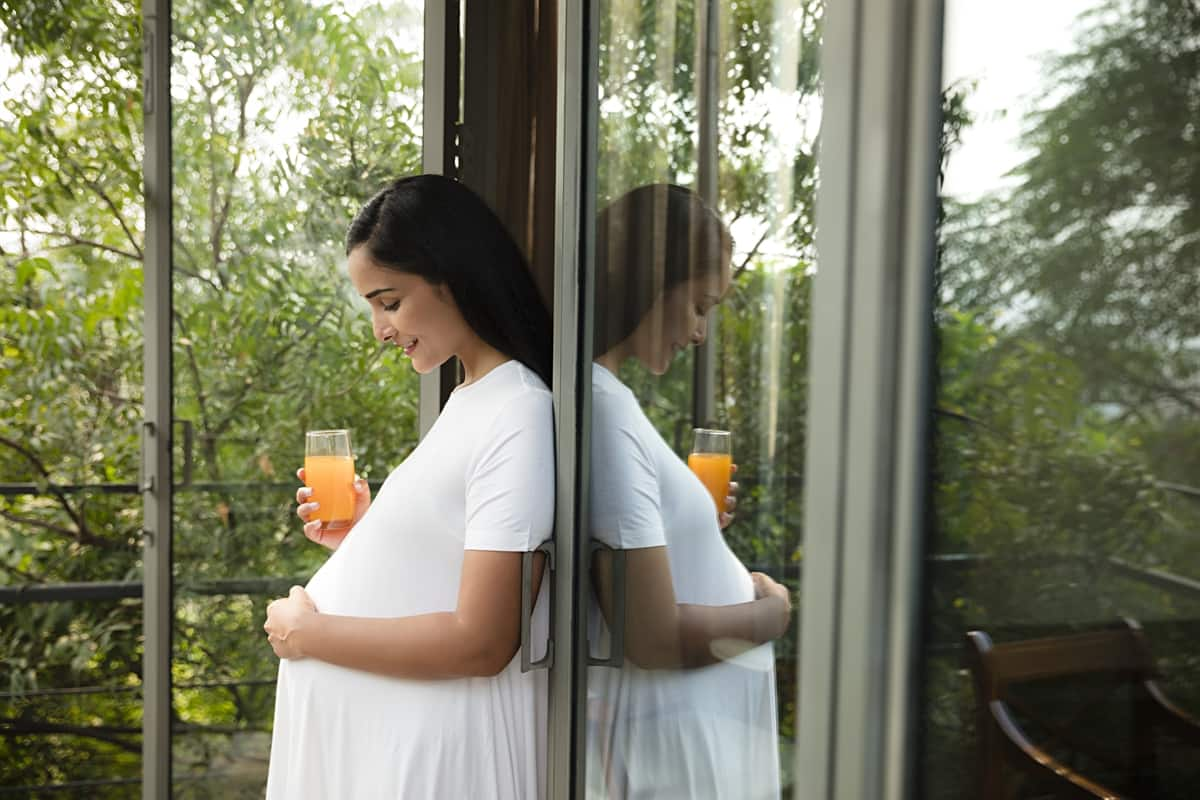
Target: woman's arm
<point x="478" y="638"/>
<point x="661" y="633"/>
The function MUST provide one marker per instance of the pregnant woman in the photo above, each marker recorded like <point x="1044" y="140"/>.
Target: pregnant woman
<point x="398" y="677"/>
<point x="690" y="713"/>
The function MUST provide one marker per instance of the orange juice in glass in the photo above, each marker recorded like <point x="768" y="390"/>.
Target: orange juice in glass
<point x="329" y="472"/>
<point x="712" y="462"/>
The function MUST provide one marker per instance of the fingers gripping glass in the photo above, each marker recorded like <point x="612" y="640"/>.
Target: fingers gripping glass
<point x="712" y="461"/>
<point x="329" y="472"/>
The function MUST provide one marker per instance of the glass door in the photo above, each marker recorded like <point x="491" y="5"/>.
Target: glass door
<point x="285" y="117"/>
<point x="701" y="259"/>
<point x="71" y="248"/>
<point x="1063" y="598"/>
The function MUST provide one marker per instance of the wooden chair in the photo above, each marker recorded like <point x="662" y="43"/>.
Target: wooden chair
<point x="1008" y="761"/>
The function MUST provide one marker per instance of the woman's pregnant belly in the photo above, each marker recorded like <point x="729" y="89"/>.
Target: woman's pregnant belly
<point x="385" y="571"/>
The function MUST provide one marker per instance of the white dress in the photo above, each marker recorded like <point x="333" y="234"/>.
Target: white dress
<point x="709" y="732"/>
<point x="482" y="479"/>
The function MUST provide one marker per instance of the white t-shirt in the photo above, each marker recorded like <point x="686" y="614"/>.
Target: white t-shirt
<point x="709" y="732"/>
<point x="481" y="479"/>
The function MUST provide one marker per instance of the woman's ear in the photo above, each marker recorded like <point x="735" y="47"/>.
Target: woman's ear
<point x="443" y="293"/>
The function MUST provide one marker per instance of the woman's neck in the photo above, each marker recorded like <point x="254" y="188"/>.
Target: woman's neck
<point x="478" y="361"/>
<point x="611" y="360"/>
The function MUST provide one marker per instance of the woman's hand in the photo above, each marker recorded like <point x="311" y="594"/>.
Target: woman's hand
<point x="767" y="587"/>
<point x="327" y="537"/>
<point x="725" y="518"/>
<point x="285" y="617"/>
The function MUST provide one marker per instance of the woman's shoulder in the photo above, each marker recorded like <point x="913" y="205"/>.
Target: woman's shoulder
<point x="519" y="386"/>
<point x="529" y="380"/>
<point x="511" y="391"/>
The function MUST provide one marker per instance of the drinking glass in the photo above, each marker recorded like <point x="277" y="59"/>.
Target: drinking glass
<point x="329" y="472"/>
<point x="712" y="462"/>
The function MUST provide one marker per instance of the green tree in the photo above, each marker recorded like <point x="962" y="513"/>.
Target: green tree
<point x="1100" y="235"/>
<point x="266" y="343"/>
<point x="1067" y="367"/>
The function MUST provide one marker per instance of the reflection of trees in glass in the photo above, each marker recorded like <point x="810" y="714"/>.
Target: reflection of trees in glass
<point x="1069" y="364"/>
<point x="768" y="107"/>
<point x="266" y="341"/>
<point x="1095" y="259"/>
<point x="768" y="110"/>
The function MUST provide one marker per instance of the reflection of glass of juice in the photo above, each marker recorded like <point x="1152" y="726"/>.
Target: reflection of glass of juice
<point x="713" y="464"/>
<point x="329" y="472"/>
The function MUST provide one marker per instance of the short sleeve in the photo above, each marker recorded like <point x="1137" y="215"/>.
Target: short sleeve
<point x="626" y="505"/>
<point x="510" y="482"/>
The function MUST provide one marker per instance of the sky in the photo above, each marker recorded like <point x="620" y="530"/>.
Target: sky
<point x="996" y="44"/>
<point x="999" y="44"/>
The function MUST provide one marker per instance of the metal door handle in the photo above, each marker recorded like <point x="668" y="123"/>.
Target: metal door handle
<point x="616" y="625"/>
<point x="527" y="599"/>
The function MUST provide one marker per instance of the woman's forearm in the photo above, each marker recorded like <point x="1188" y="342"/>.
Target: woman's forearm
<point x="426" y="646"/>
<point x="478" y="638"/>
<point x="748" y="624"/>
<point x="686" y="636"/>
<point x="662" y="633"/>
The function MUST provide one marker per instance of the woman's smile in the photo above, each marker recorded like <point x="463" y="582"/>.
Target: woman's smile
<point x="407" y="345"/>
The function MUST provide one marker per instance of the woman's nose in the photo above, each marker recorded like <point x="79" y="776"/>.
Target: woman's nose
<point x="383" y="331"/>
<point x="701" y="331"/>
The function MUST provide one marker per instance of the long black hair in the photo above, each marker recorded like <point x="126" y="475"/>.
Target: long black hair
<point x="438" y="229"/>
<point x="648" y="241"/>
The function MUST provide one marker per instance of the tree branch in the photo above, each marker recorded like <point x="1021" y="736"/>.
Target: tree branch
<point x="83" y="535"/>
<point x="111" y="734"/>
<point x="99" y="191"/>
<point x="76" y="240"/>
<point x="114" y="397"/>
<point x="197" y="276"/>
<point x="194" y="368"/>
<point x="82" y="538"/>
<point x="749" y="256"/>
<point x="273" y="358"/>
<point x="245" y="87"/>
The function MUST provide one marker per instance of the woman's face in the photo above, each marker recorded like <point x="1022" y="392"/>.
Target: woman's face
<point x="678" y="318"/>
<point x="409" y="312"/>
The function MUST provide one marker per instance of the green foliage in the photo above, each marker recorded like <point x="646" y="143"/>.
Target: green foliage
<point x="1069" y="369"/>
<point x="1101" y="233"/>
<point x="1067" y="365"/>
<point x="286" y="116"/>
<point x="1023" y="463"/>
<point x="767" y="105"/>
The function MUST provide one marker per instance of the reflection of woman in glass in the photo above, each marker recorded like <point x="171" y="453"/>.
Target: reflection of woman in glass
<point x="398" y="676"/>
<point x="691" y="713"/>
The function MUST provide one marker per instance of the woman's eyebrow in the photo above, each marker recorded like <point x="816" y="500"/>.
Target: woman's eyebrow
<point x="374" y="292"/>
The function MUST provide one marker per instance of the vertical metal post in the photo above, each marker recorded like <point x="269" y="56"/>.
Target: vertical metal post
<point x="575" y="168"/>
<point x="157" y="608"/>
<point x="914" y="397"/>
<point x="870" y="356"/>
<point x="439" y="122"/>
<point x="827" y="421"/>
<point x="707" y="107"/>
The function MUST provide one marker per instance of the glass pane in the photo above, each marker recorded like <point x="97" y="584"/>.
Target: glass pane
<point x="70" y="399"/>
<point x="287" y="116"/>
<point x="1068" y="380"/>
<point x="705" y="190"/>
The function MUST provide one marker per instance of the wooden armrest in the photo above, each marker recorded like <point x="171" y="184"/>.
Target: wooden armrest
<point x="1173" y="719"/>
<point x="1039" y="764"/>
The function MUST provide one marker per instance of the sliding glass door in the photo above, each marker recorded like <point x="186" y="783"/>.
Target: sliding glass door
<point x="1065" y="496"/>
<point x="286" y="117"/>
<point x="701" y="259"/>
